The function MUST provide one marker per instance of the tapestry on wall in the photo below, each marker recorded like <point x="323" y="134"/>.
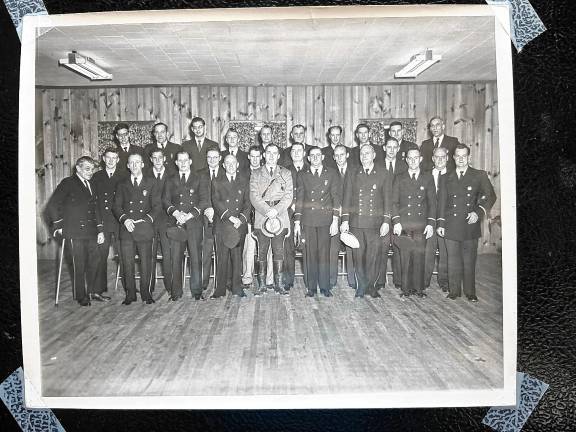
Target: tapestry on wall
<point x="379" y="129"/>
<point x="248" y="132"/>
<point x="140" y="133"/>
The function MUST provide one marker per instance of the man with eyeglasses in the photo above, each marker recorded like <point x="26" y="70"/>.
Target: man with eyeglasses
<point x="414" y="220"/>
<point x="465" y="199"/>
<point x="437" y="243"/>
<point x="318" y="202"/>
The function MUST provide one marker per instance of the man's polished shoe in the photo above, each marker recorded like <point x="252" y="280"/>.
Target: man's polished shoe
<point x="375" y="294"/>
<point x="126" y="302"/>
<point x="240" y="294"/>
<point x="422" y="295"/>
<point x="473" y="299"/>
<point x="149" y="301"/>
<point x="100" y="297"/>
<point x="204" y="288"/>
<point x="327" y="293"/>
<point x="451" y="297"/>
<point x="198" y="297"/>
<point x="359" y="295"/>
<point x="84" y="302"/>
<point x="176" y="298"/>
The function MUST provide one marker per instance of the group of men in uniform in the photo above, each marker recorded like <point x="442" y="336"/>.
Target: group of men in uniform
<point x="253" y="210"/>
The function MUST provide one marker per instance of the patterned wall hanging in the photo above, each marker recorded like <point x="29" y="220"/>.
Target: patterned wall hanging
<point x="248" y="132"/>
<point x="140" y="134"/>
<point x="379" y="129"/>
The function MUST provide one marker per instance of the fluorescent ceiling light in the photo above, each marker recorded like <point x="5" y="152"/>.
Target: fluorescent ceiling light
<point x="85" y="66"/>
<point x="418" y="64"/>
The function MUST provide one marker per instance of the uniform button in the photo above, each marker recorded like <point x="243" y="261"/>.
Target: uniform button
<point x="419" y="205"/>
<point x="130" y="202"/>
<point x="409" y="205"/>
<point x="141" y="211"/>
<point x="312" y="208"/>
<point x="236" y="208"/>
<point x="419" y="214"/>
<point x="106" y="208"/>
<point x="105" y="200"/>
<point x="455" y="214"/>
<point x="131" y="211"/>
<point x="181" y="203"/>
<point x="419" y="196"/>
<point x="468" y="204"/>
<point x="312" y="199"/>
<point x="409" y="196"/>
<point x="105" y="193"/>
<point x="312" y="192"/>
<point x="227" y="200"/>
<point x="141" y="202"/>
<point x="454" y="205"/>
<point x="180" y="194"/>
<point x="467" y="194"/>
<point x="409" y="214"/>
<point x="454" y="196"/>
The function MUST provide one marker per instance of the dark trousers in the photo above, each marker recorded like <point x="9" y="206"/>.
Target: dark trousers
<point x="264" y="243"/>
<point x="207" y="248"/>
<point x="387" y="244"/>
<point x="289" y="255"/>
<point x="432" y="244"/>
<point x="462" y="266"/>
<point x="412" y="246"/>
<point x="194" y="244"/>
<point x="129" y="248"/>
<point x="336" y="246"/>
<point x="110" y="239"/>
<point x="366" y="259"/>
<point x="85" y="259"/>
<point x="164" y="243"/>
<point x="316" y="257"/>
<point x="229" y="266"/>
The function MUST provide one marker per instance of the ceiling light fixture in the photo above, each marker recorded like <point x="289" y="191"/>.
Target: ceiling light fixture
<point x="418" y="64"/>
<point x="85" y="66"/>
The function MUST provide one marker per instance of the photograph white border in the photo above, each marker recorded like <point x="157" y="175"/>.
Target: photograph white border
<point x="27" y="217"/>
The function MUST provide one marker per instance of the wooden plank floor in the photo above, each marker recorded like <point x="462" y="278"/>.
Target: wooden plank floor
<point x="271" y="344"/>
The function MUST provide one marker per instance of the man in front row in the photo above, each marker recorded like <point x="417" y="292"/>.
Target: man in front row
<point x="366" y="214"/>
<point x="465" y="199"/>
<point x="414" y="218"/>
<point x="137" y="206"/>
<point x="271" y="193"/>
<point x="185" y="197"/>
<point x="318" y="200"/>
<point x="72" y="212"/>
<point x="231" y="203"/>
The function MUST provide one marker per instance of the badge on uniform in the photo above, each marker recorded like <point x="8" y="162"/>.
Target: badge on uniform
<point x="374" y="186"/>
<point x="144" y="192"/>
<point x="469" y="187"/>
<point x="191" y="191"/>
<point x="325" y="182"/>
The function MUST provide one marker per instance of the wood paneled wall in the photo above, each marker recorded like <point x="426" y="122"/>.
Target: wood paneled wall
<point x="70" y="118"/>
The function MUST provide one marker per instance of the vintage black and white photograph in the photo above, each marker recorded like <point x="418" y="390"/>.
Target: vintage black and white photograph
<point x="269" y="208"/>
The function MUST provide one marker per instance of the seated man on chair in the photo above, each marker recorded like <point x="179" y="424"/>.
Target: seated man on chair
<point x="72" y="212"/>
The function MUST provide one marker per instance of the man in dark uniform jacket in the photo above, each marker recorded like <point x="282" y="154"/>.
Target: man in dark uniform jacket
<point x="137" y="206"/>
<point x="437" y="127"/>
<point x="126" y="148"/>
<point x="336" y="246"/>
<point x="414" y="219"/>
<point x="160" y="135"/>
<point x="72" y="212"/>
<point x="160" y="171"/>
<point x="465" y="199"/>
<point x="366" y="214"/>
<point x="105" y="182"/>
<point x="211" y="172"/>
<point x="334" y="137"/>
<point x="231" y="202"/>
<point x="297" y="136"/>
<point x="362" y="135"/>
<point x="185" y="196"/>
<point x="318" y="204"/>
<point x="297" y="165"/>
<point x="396" y="131"/>
<point x="394" y="167"/>
<point x="437" y="243"/>
<point x="199" y="145"/>
<point x="231" y="141"/>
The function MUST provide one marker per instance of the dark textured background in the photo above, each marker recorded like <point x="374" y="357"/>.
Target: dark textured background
<point x="544" y="81"/>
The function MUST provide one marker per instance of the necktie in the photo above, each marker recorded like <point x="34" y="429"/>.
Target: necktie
<point x="461" y="175"/>
<point x="271" y="172"/>
<point x="183" y="179"/>
<point x="135" y="182"/>
<point x="87" y="186"/>
<point x="317" y="172"/>
<point x="390" y="167"/>
<point x="366" y="171"/>
<point x="437" y="142"/>
<point x="158" y="176"/>
<point x="297" y="169"/>
<point x="232" y="179"/>
<point x="125" y="149"/>
<point x="110" y="175"/>
<point x="413" y="176"/>
<point x="199" y="143"/>
<point x="212" y="175"/>
<point x="342" y="172"/>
